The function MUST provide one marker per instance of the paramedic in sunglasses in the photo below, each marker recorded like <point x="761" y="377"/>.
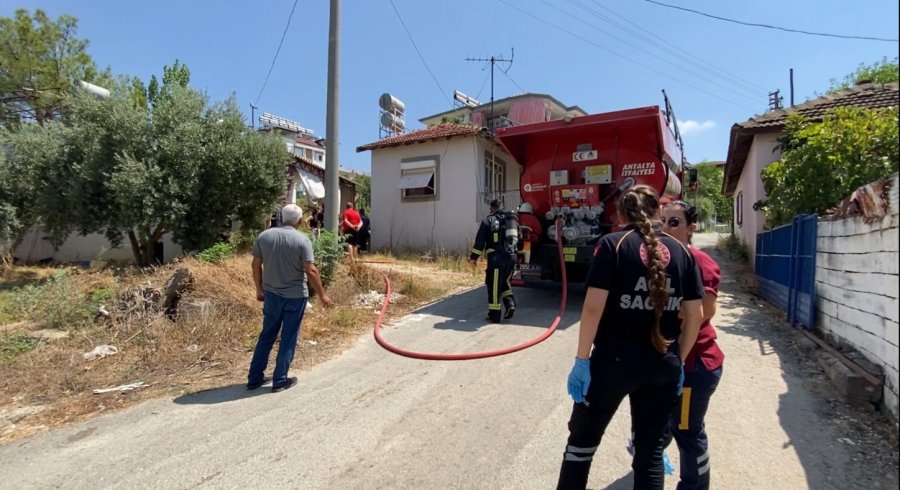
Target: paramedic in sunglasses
<point x="638" y="282"/>
<point x="702" y="366"/>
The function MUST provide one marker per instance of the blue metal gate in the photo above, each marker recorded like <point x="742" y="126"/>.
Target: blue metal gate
<point x="786" y="268"/>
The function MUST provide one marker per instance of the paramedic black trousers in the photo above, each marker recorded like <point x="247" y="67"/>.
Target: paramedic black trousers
<point x="497" y="278"/>
<point x="650" y="380"/>
<point x="688" y="427"/>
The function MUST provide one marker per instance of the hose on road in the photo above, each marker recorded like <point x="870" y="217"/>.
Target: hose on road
<point x="474" y="355"/>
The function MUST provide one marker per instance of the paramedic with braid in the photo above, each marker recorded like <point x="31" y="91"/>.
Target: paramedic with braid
<point x="638" y="282"/>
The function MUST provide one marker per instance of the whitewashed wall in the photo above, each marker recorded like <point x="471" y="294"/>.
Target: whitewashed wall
<point x="762" y="152"/>
<point x="448" y="222"/>
<point x="83" y="248"/>
<point x="857" y="285"/>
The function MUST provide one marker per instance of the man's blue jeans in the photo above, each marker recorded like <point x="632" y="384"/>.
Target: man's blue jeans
<point x="279" y="314"/>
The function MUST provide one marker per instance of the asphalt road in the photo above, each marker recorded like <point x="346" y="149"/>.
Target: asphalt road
<point x="371" y="419"/>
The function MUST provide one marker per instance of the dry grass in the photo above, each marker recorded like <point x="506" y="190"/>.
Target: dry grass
<point x="48" y="383"/>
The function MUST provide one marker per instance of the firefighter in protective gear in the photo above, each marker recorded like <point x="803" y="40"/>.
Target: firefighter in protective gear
<point x="497" y="240"/>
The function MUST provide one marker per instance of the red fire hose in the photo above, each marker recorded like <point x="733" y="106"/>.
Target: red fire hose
<point x="474" y="355"/>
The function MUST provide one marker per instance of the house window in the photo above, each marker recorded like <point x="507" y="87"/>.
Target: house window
<point x="494" y="178"/>
<point x="739" y="209"/>
<point x="320" y="157"/>
<point x="418" y="180"/>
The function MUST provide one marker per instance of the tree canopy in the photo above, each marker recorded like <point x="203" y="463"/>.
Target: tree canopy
<point x="884" y="71"/>
<point x="822" y="163"/>
<point x="708" y="198"/>
<point x="41" y="60"/>
<point x="178" y="164"/>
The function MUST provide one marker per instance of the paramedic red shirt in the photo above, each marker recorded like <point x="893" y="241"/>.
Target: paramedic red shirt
<point x="706" y="348"/>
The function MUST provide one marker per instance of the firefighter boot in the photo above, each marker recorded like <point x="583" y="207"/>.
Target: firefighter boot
<point x="493" y="316"/>
<point x="510" y="303"/>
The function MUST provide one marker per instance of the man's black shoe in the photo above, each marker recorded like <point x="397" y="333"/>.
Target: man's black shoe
<point x="493" y="317"/>
<point x="287" y="384"/>
<point x="253" y="386"/>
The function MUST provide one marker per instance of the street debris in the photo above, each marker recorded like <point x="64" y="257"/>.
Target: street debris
<point x="129" y="387"/>
<point x="100" y="351"/>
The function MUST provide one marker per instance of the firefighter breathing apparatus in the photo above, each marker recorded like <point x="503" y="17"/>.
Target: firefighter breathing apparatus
<point x="474" y="355"/>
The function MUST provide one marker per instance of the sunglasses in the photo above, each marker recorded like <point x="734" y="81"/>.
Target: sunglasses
<point x="673" y="222"/>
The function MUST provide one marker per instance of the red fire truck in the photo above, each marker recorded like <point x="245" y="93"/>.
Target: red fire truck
<point x="573" y="172"/>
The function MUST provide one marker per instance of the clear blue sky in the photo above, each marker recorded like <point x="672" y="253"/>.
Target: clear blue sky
<point x="229" y="46"/>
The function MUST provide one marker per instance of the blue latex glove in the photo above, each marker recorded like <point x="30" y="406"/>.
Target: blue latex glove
<point x="579" y="379"/>
<point x="681" y="380"/>
<point x="667" y="465"/>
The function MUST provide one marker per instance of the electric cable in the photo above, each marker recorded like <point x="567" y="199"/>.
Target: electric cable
<point x="421" y="57"/>
<point x="680" y="52"/>
<point x="274" y="58"/>
<point x="767" y="26"/>
<point x="653" y="55"/>
<point x="622" y="56"/>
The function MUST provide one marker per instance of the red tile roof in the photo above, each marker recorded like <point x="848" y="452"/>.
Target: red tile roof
<point x="438" y="131"/>
<point x="868" y="95"/>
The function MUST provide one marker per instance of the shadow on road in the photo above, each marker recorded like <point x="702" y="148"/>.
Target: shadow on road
<point x="225" y="394"/>
<point x="809" y="400"/>
<point x="535" y="307"/>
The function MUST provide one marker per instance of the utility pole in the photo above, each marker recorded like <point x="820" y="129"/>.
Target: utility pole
<point x="253" y="115"/>
<point x="332" y="164"/>
<point x="792" y="87"/>
<point x="775" y="100"/>
<point x="494" y="60"/>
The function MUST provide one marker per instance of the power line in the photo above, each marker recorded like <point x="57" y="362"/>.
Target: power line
<point x="679" y="52"/>
<point x="513" y="81"/>
<point x="283" y="34"/>
<point x="622" y="56"/>
<point x="483" y="83"/>
<point x="664" y="60"/>
<point x="767" y="26"/>
<point x="411" y="40"/>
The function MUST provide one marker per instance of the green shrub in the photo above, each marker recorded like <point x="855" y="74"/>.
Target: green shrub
<point x="242" y="241"/>
<point x="822" y="163"/>
<point x="14" y="344"/>
<point x="58" y="303"/>
<point x="329" y="251"/>
<point x="735" y="247"/>
<point x="217" y="253"/>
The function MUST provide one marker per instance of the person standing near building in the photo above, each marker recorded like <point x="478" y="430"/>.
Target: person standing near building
<point x="351" y="222"/>
<point x="316" y="221"/>
<point x="283" y="265"/>
<point x="364" y="231"/>
<point x="497" y="240"/>
<point x="702" y="366"/>
<point x="630" y="341"/>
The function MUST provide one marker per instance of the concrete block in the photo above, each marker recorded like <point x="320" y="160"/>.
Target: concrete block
<point x="852" y="387"/>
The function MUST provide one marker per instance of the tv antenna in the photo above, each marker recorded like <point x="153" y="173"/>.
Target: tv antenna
<point x="493" y="60"/>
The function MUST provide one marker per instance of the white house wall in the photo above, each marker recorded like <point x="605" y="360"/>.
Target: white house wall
<point x="762" y="152"/>
<point x="447" y="222"/>
<point x="857" y="287"/>
<point x="77" y="248"/>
